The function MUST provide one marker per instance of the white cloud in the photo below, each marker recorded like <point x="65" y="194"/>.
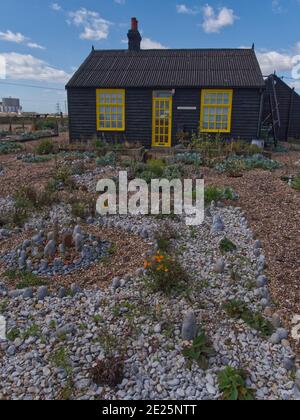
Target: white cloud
<point x="214" y="21"/>
<point x="27" y="67"/>
<point x="150" y="44"/>
<point x="10" y="36"/>
<point x="18" y="38"/>
<point x="185" y="10"/>
<point x="271" y="61"/>
<point x="56" y="7"/>
<point x="35" y="46"/>
<point x="94" y="27"/>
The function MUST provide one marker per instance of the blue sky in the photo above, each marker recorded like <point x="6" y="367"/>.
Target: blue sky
<point x="43" y="42"/>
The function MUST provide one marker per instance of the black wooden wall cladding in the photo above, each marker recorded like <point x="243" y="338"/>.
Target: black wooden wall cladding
<point x="138" y="114"/>
<point x="289" y="108"/>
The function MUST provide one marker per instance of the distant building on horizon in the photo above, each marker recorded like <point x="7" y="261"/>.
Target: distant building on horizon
<point x="10" y="105"/>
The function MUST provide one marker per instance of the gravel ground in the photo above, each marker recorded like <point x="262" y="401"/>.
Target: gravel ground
<point x="57" y="341"/>
<point x="272" y="209"/>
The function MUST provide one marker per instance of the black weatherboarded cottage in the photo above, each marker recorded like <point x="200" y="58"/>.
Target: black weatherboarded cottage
<point x="148" y="96"/>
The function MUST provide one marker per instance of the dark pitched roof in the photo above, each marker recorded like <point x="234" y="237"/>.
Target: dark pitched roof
<point x="169" y="68"/>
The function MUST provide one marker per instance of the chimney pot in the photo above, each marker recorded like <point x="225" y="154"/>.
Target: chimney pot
<point x="134" y="37"/>
<point x="134" y="24"/>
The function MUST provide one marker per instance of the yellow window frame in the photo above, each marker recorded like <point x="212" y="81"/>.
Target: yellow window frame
<point x="228" y="106"/>
<point x="99" y="104"/>
<point x="157" y="104"/>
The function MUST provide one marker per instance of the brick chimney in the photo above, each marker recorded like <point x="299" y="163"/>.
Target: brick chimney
<point x="134" y="37"/>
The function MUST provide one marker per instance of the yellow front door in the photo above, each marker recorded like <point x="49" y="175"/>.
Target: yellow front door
<point x="162" y="119"/>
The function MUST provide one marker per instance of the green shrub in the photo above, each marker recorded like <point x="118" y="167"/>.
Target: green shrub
<point x="296" y="182"/>
<point x="235" y="165"/>
<point x="238" y="310"/>
<point x="156" y="166"/>
<point x="226" y="245"/>
<point x="165" y="273"/>
<point x="110" y="159"/>
<point x="13" y="334"/>
<point x="24" y="279"/>
<point x="173" y="172"/>
<point x="37" y="159"/>
<point x="7" y="147"/>
<point x="188" y="158"/>
<point x="232" y="384"/>
<point x="46" y="147"/>
<point x="46" y="125"/>
<point x="199" y="351"/>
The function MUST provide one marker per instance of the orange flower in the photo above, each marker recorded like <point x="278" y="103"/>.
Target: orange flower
<point x="147" y="264"/>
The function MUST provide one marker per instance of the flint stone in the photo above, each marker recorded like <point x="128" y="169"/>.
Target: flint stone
<point x="116" y="283"/>
<point x="26" y="244"/>
<point x="42" y="293"/>
<point x="276" y="321"/>
<point x="50" y="236"/>
<point x="37" y="239"/>
<point x="11" y="351"/>
<point x="262" y="281"/>
<point x="257" y="245"/>
<point x="28" y="293"/>
<point x="44" y="265"/>
<point x="15" y="293"/>
<point x="189" y="327"/>
<point x="62" y="249"/>
<point x="77" y="230"/>
<point x="75" y="289"/>
<point x="78" y="242"/>
<point x="50" y="249"/>
<point x="66" y="330"/>
<point x="61" y="293"/>
<point x="282" y="333"/>
<point x="218" y="225"/>
<point x="220" y="266"/>
<point x="275" y="339"/>
<point x="289" y="363"/>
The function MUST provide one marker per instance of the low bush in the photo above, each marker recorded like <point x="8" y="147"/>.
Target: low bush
<point x="46" y="125"/>
<point x="108" y="372"/>
<point x="156" y="166"/>
<point x="37" y="159"/>
<point x="235" y="165"/>
<point x="46" y="147"/>
<point x="232" y="384"/>
<point x="200" y="351"/>
<point x="296" y="182"/>
<point x="238" y="310"/>
<point x="7" y="147"/>
<point x="61" y="178"/>
<point x="165" y="274"/>
<point x="110" y="159"/>
<point x="188" y="158"/>
<point x="24" y="279"/>
<point x="164" y="235"/>
<point x="226" y="245"/>
<point x="216" y="194"/>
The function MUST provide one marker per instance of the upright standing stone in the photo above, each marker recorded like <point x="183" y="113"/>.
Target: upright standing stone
<point x="50" y="249"/>
<point x="218" y="225"/>
<point x="189" y="327"/>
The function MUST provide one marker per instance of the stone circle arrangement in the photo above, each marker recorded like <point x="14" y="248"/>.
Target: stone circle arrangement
<point x="56" y="253"/>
